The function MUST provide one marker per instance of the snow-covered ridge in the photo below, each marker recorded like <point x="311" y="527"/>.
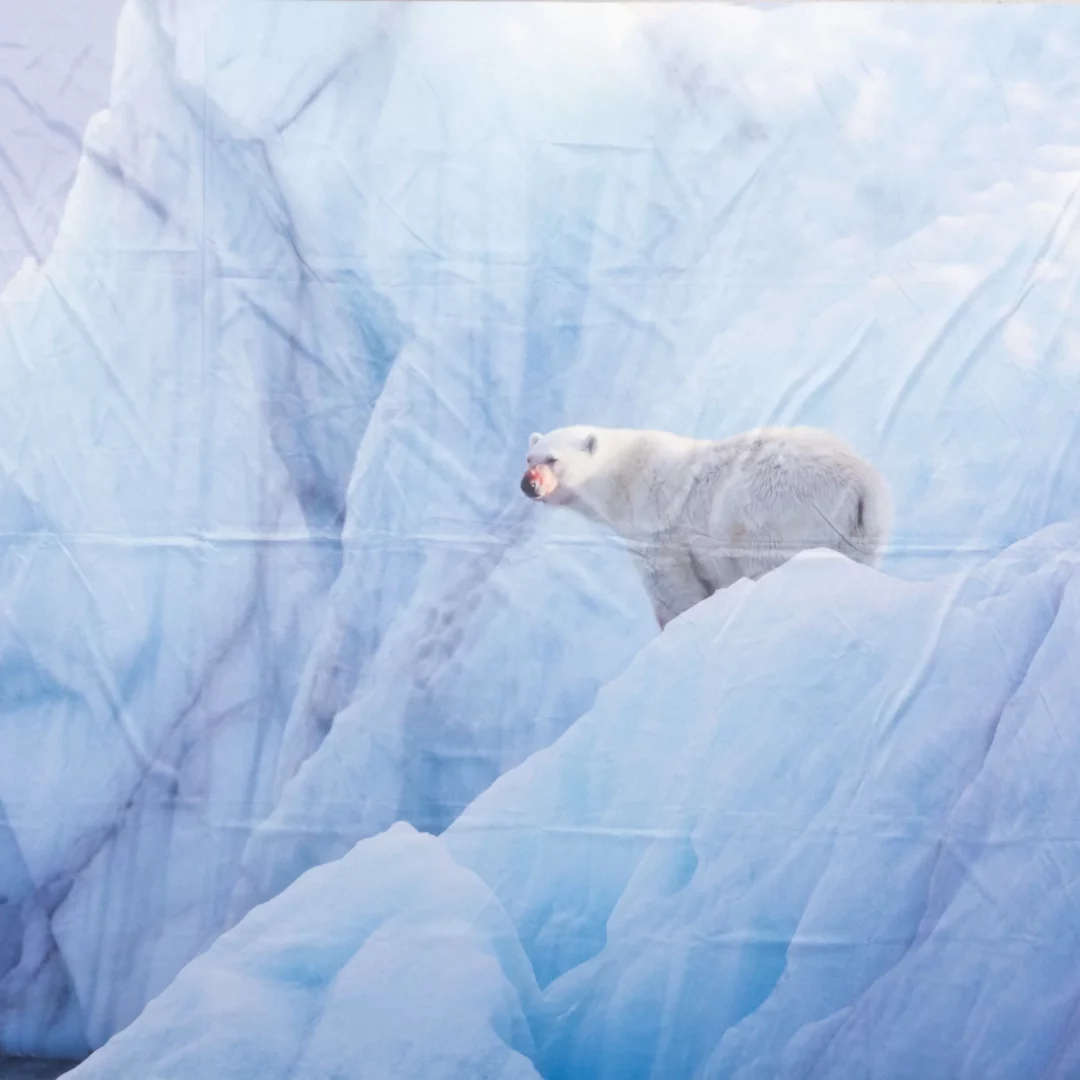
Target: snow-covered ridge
<point x="269" y="585"/>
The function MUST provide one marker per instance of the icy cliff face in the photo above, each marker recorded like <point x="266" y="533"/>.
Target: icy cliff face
<point x="269" y="585"/>
<point x="800" y="216"/>
<point x="172" y="507"/>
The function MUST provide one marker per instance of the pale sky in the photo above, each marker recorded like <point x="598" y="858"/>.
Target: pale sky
<point x="55" y="63"/>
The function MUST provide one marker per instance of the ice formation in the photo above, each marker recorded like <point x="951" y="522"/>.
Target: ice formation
<point x="269" y="585"/>
<point x="821" y="827"/>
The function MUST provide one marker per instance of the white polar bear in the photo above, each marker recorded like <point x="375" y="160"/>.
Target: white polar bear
<point x="698" y="514"/>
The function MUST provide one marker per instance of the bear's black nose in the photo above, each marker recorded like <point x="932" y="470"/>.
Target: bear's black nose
<point x="527" y="486"/>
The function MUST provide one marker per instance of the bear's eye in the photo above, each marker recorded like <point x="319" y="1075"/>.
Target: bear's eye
<point x="550" y="461"/>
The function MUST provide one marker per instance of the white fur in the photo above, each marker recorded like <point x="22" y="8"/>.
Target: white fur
<point x="698" y="514"/>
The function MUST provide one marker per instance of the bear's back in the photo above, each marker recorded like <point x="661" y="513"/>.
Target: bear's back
<point x="781" y="480"/>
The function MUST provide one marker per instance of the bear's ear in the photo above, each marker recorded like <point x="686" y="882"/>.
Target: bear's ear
<point x="534" y="438"/>
<point x="590" y="445"/>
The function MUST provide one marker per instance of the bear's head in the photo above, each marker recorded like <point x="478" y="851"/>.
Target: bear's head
<point x="560" y="464"/>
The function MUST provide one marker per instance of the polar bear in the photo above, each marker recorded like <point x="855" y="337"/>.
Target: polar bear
<point x="699" y="514"/>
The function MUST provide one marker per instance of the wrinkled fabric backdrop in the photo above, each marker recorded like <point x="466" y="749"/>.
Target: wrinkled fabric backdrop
<point x="323" y="752"/>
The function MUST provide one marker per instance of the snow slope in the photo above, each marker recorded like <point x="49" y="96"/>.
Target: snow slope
<point x="268" y="582"/>
<point x="822" y="827"/>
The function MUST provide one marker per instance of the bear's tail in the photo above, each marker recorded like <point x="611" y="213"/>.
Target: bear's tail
<point x="872" y="519"/>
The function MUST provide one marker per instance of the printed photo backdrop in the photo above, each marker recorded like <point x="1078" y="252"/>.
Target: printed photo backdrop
<point x="325" y="752"/>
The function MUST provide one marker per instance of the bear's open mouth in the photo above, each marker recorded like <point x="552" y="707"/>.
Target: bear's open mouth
<point x="538" y="481"/>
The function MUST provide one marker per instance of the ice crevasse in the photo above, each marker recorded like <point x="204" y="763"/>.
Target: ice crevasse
<point x="270" y="589"/>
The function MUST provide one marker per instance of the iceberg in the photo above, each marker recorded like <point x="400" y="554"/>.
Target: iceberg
<point x="298" y="991"/>
<point x="269" y="586"/>
<point x="821" y="826"/>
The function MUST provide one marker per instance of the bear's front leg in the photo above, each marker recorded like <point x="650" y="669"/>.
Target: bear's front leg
<point x="671" y="581"/>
